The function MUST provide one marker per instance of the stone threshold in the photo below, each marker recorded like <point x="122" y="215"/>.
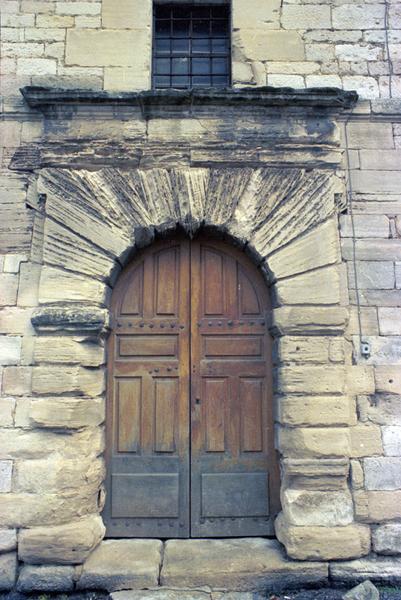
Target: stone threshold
<point x="201" y="569"/>
<point x="203" y="566"/>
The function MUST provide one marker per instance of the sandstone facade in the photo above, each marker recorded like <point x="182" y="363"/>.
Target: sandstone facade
<point x="313" y="194"/>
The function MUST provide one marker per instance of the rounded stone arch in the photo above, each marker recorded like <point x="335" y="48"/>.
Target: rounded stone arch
<point x="286" y="220"/>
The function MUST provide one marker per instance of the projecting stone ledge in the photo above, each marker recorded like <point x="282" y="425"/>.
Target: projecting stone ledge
<point x="247" y="564"/>
<point x="331" y="98"/>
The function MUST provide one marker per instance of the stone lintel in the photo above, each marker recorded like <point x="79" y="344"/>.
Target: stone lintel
<point x="70" y="320"/>
<point x="329" y="98"/>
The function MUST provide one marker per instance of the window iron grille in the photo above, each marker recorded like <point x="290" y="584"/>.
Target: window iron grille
<point x="191" y="46"/>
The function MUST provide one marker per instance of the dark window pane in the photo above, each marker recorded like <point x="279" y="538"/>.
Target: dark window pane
<point x="162" y="66"/>
<point x="201" y="12"/>
<point x="219" y="28"/>
<point x="162" y="45"/>
<point x="219" y="45"/>
<point x="181" y="28"/>
<point x="201" y="45"/>
<point x="180" y="66"/>
<point x="181" y="12"/>
<point x="162" y="12"/>
<point x="219" y="66"/>
<point x="220" y="80"/>
<point x="200" y="28"/>
<point x="201" y="66"/>
<point x="162" y="81"/>
<point x="220" y="12"/>
<point x="180" y="45"/>
<point x="201" y="81"/>
<point x="162" y="28"/>
<point x="177" y="81"/>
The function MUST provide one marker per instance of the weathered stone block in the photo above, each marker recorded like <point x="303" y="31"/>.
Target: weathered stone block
<point x="8" y="289"/>
<point x="382" y="473"/>
<point x="363" y="591"/>
<point x="59" y="474"/>
<point x="365" y="440"/>
<point x="380" y="570"/>
<point x="264" y="13"/>
<point x="317" y="287"/>
<point x="8" y="571"/>
<point x="387" y="539"/>
<point x="370" y="182"/>
<point x="8" y="540"/>
<point x="388" y="379"/>
<point x="17" y="380"/>
<point x="366" y="226"/>
<point x="317" y="248"/>
<point x="283" y="45"/>
<point x="383" y="506"/>
<point x="309" y="320"/>
<point x="10" y="350"/>
<point x="125" y="79"/>
<point x="372" y="275"/>
<point x="240" y="564"/>
<point x="319" y="474"/>
<point x="360" y="379"/>
<point x="68" y="413"/>
<point x="65" y="544"/>
<point x="372" y="249"/>
<point x="74" y="379"/>
<point x="318" y="442"/>
<point x="15" y="321"/>
<point x="316" y="410"/>
<point x="388" y="160"/>
<point x="59" y="286"/>
<point x="6" y="469"/>
<point x="392" y="440"/>
<point x="383" y="350"/>
<point x="51" y="578"/>
<point x="7" y="408"/>
<point x="310" y="379"/>
<point x="389" y="321"/>
<point x="122" y="564"/>
<point x="384" y="409"/>
<point x="72" y="319"/>
<point x="77" y="350"/>
<point x="78" y="8"/>
<point x="323" y="543"/>
<point x="369" y="135"/>
<point x="123" y="48"/>
<point x="306" y="17"/>
<point x="347" y="15"/>
<point x="317" y="508"/>
<point x="130" y="15"/>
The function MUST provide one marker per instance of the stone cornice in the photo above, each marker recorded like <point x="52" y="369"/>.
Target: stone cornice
<point x="332" y="99"/>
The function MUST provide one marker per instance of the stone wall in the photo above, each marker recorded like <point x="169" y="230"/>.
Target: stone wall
<point x="338" y="413"/>
<point x="293" y="43"/>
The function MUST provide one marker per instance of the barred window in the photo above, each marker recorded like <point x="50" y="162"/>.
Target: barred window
<point x="191" y="46"/>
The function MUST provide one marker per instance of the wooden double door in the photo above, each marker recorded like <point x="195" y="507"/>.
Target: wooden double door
<point x="190" y="448"/>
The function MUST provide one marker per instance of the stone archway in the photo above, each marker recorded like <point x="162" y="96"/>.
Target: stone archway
<point x="286" y="220"/>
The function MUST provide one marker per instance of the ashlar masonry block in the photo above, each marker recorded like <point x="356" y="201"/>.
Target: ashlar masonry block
<point x="107" y="47"/>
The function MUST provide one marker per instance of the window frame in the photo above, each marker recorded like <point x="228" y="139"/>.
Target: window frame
<point x="190" y="54"/>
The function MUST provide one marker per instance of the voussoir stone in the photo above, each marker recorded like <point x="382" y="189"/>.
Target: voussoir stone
<point x="46" y="578"/>
<point x="65" y="544"/>
<point x="122" y="564"/>
<point x="8" y="571"/>
<point x="243" y="564"/>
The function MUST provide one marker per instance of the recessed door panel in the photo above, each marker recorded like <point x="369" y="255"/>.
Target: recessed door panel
<point x="189" y="424"/>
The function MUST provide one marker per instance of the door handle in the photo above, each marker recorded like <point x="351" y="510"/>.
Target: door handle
<point x="197" y="401"/>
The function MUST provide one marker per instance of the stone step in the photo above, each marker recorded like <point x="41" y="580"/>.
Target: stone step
<point x="243" y="564"/>
<point x="196" y="569"/>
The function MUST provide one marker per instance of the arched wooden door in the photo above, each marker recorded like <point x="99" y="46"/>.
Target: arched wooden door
<point x="190" y="429"/>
